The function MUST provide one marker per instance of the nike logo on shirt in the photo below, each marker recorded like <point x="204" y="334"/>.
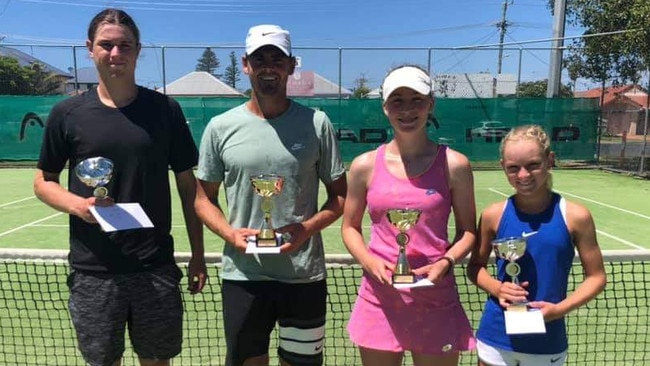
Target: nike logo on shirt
<point x="525" y="234"/>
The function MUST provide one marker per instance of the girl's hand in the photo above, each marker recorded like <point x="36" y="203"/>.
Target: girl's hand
<point x="378" y="269"/>
<point x="510" y="293"/>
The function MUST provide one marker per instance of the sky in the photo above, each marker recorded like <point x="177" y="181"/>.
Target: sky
<point x="369" y="37"/>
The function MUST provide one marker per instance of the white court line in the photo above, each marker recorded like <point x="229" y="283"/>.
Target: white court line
<point x="613" y="237"/>
<point x="604" y="204"/>
<point x="20" y="200"/>
<point x="498" y="192"/>
<point x="30" y="224"/>
<point x="620" y="240"/>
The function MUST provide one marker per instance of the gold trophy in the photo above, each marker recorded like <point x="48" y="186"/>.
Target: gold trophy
<point x="267" y="186"/>
<point x="96" y="173"/>
<point x="511" y="249"/>
<point x="403" y="219"/>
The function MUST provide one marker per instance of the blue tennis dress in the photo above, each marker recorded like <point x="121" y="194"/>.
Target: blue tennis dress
<point x="545" y="265"/>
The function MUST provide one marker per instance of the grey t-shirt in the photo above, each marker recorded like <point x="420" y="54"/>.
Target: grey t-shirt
<point x="301" y="146"/>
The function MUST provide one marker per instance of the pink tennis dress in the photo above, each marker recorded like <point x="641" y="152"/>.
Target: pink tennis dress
<point x="428" y="320"/>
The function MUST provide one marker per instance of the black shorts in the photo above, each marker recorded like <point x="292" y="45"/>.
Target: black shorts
<point x="101" y="305"/>
<point x="251" y="309"/>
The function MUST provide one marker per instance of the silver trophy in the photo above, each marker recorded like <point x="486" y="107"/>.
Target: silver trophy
<point x="511" y="249"/>
<point x="403" y="219"/>
<point x="96" y="173"/>
<point x="267" y="186"/>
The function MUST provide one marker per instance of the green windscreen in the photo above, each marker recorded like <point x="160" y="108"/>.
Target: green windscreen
<point x="472" y="126"/>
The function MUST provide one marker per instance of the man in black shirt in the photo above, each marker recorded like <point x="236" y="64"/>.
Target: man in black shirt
<point x="127" y="276"/>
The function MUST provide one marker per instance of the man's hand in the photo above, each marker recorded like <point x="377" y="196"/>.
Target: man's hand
<point x="82" y="208"/>
<point x="239" y="238"/>
<point x="197" y="275"/>
<point x="293" y="237"/>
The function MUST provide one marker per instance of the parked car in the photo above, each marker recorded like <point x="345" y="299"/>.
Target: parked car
<point x="490" y="129"/>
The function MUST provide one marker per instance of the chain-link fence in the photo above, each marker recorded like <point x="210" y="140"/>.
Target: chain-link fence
<point x="488" y="79"/>
<point x="461" y="72"/>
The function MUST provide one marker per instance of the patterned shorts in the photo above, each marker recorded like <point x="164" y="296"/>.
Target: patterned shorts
<point x="101" y="305"/>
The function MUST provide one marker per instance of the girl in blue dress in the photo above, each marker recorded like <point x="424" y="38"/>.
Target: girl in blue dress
<point x="554" y="230"/>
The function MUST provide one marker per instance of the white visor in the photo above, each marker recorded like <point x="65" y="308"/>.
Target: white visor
<point x="407" y="77"/>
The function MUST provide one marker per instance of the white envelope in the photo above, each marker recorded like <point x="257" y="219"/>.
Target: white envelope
<point x="525" y="322"/>
<point x="121" y="216"/>
<point x="419" y="283"/>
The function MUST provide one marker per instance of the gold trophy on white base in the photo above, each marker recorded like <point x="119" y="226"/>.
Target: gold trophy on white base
<point x="403" y="219"/>
<point x="267" y="186"/>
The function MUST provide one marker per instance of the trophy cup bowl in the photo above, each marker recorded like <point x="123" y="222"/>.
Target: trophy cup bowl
<point x="403" y="219"/>
<point x="511" y="249"/>
<point x="95" y="172"/>
<point x="267" y="186"/>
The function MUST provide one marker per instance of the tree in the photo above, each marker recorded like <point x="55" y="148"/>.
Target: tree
<point x="537" y="89"/>
<point x="41" y="81"/>
<point x="360" y="89"/>
<point x="445" y="85"/>
<point x="232" y="72"/>
<point x="612" y="59"/>
<point x="26" y="80"/>
<point x="13" y="80"/>
<point x="208" y="62"/>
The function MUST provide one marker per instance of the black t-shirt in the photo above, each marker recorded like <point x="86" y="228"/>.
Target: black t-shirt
<point x="143" y="139"/>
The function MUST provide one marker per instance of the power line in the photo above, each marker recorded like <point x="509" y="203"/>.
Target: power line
<point x="544" y="40"/>
<point x="200" y="6"/>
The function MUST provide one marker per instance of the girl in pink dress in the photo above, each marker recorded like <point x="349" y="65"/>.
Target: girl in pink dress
<point x="413" y="172"/>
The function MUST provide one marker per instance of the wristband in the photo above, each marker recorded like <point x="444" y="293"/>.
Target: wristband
<point x="450" y="260"/>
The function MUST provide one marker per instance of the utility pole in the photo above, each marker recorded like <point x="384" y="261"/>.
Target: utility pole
<point x="502" y="26"/>
<point x="645" y="129"/>
<point x="555" y="71"/>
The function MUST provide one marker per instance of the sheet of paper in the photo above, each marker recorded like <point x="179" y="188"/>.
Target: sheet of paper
<point x="121" y="216"/>
<point x="253" y="249"/>
<point x="525" y="322"/>
<point x="418" y="283"/>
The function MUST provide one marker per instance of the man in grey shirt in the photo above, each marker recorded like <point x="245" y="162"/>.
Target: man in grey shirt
<point x="271" y="134"/>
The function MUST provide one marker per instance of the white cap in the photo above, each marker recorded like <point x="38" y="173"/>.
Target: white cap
<point x="407" y="77"/>
<point x="268" y="35"/>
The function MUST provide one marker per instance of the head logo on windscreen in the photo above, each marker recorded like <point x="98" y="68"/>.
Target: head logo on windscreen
<point x="30" y="119"/>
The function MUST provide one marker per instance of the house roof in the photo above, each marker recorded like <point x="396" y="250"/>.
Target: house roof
<point x="306" y="83"/>
<point x="26" y="60"/>
<point x="85" y="75"/>
<point x="617" y="94"/>
<point x="199" y="83"/>
<point x="324" y="87"/>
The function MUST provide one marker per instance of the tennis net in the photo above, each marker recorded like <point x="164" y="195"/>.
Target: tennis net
<point x="35" y="328"/>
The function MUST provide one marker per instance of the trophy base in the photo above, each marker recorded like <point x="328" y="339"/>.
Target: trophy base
<point x="403" y="278"/>
<point x="267" y="242"/>
<point x="253" y="246"/>
<point x="522" y="306"/>
<point x="268" y="238"/>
